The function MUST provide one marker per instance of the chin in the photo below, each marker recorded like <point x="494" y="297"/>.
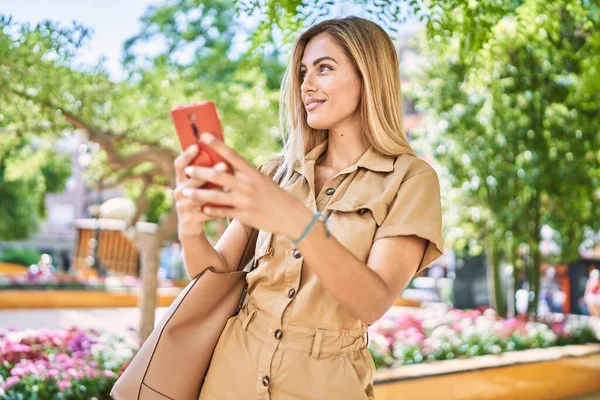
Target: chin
<point x="318" y="123"/>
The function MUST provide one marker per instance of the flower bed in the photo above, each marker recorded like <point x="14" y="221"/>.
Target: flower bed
<point x="407" y="339"/>
<point x="27" y="281"/>
<point x="82" y="364"/>
<point x="73" y="364"/>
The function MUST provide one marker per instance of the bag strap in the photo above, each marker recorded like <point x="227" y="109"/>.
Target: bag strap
<point x="249" y="250"/>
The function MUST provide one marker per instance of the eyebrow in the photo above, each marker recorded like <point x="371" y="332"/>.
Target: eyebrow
<point x="318" y="60"/>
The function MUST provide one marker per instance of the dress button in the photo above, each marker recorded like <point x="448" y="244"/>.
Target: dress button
<point x="266" y="380"/>
<point x="330" y="191"/>
<point x="362" y="211"/>
<point x="291" y="293"/>
<point x="296" y="253"/>
<point x="278" y="334"/>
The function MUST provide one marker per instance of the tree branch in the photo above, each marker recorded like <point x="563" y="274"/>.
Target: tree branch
<point x="161" y="157"/>
<point x="141" y="204"/>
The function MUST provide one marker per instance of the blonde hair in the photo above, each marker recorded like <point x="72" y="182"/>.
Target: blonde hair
<point x="376" y="62"/>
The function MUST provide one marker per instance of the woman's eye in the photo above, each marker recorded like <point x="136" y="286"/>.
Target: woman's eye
<point x="303" y="73"/>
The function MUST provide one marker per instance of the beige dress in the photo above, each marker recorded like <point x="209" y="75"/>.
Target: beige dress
<point x="293" y="339"/>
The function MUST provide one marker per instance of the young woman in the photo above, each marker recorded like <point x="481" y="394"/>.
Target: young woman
<point x="321" y="279"/>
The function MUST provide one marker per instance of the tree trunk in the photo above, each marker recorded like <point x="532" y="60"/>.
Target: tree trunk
<point x="497" y="276"/>
<point x="149" y="246"/>
<point x="536" y="261"/>
<point x="535" y="257"/>
<point x="516" y="282"/>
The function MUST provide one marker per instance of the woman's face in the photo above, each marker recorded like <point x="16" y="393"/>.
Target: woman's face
<point x="330" y="85"/>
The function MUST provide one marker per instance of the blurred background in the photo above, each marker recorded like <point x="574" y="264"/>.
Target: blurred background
<point x="501" y="97"/>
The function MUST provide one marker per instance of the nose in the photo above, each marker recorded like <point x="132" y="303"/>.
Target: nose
<point x="307" y="84"/>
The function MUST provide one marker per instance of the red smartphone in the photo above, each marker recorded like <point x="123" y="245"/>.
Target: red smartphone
<point x="193" y="120"/>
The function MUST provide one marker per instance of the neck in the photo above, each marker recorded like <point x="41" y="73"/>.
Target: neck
<point x="345" y="146"/>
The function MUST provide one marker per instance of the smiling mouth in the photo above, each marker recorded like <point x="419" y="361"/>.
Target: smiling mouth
<point x="312" y="106"/>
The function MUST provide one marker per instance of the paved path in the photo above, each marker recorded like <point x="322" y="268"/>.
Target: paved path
<point x="121" y="319"/>
<point x="107" y="319"/>
<point x="118" y="320"/>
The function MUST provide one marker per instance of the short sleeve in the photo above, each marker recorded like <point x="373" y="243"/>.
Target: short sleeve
<point x="417" y="210"/>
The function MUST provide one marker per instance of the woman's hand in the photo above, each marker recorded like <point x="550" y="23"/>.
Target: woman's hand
<point x="191" y="218"/>
<point x="249" y="196"/>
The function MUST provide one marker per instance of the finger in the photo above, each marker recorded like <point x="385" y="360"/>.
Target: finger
<point x="230" y="155"/>
<point x="195" y="183"/>
<point x="221" y="212"/>
<point x="211" y="196"/>
<point x="183" y="160"/>
<point x="215" y="175"/>
<point x="186" y="204"/>
<point x="191" y="183"/>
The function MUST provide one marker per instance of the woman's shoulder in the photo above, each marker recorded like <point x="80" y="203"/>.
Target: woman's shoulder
<point x="407" y="166"/>
<point x="269" y="166"/>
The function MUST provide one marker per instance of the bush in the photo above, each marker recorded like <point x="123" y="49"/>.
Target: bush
<point x="407" y="339"/>
<point x="72" y="364"/>
<point x="22" y="256"/>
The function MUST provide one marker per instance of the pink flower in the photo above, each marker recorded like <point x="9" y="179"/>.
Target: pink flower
<point x="10" y="381"/>
<point x="63" y="385"/>
<point x="72" y="373"/>
<point x="21" y="348"/>
<point x="17" y="371"/>
<point x="559" y="328"/>
<point x="108" y="373"/>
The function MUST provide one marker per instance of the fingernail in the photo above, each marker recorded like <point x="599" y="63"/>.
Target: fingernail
<point x="221" y="167"/>
<point x="206" y="137"/>
<point x="187" y="192"/>
<point x="193" y="148"/>
<point x="189" y="170"/>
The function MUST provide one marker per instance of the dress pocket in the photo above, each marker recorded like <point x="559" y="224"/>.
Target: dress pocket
<point x="360" y="379"/>
<point x="301" y="376"/>
<point x="375" y="209"/>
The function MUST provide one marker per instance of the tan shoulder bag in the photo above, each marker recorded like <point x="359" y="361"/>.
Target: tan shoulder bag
<point x="172" y="362"/>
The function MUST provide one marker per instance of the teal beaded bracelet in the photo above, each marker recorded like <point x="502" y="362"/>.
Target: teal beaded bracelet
<point x="311" y="224"/>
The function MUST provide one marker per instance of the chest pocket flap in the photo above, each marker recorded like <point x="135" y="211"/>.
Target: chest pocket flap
<point x="375" y="207"/>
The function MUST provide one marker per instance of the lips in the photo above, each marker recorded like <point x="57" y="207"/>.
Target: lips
<point x="313" y="104"/>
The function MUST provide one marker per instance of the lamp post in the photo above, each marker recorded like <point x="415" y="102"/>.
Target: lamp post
<point x="85" y="153"/>
<point x="95" y="242"/>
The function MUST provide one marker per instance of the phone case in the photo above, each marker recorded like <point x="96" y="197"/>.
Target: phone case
<point x="191" y="121"/>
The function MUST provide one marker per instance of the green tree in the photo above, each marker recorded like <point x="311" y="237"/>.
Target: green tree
<point x="130" y="120"/>
<point x="514" y="87"/>
<point x="26" y="176"/>
<point x="509" y="84"/>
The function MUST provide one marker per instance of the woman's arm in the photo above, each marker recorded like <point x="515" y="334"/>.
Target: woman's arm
<point x="199" y="253"/>
<point x="366" y="290"/>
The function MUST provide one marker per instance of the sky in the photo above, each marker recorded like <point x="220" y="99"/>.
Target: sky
<point x="112" y="22"/>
